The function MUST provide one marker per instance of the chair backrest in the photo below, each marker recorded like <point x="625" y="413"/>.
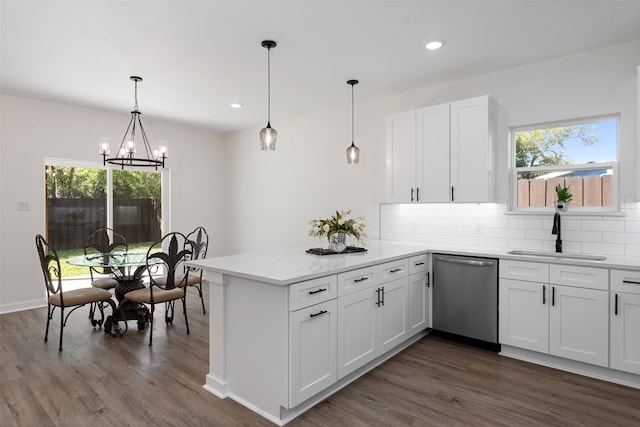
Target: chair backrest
<point x="100" y="242"/>
<point x="168" y="255"/>
<point x="50" y="264"/>
<point x="199" y="243"/>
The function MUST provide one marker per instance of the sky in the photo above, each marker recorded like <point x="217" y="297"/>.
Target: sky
<point x="605" y="150"/>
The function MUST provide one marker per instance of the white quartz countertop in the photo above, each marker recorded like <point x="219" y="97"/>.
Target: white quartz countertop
<point x="287" y="266"/>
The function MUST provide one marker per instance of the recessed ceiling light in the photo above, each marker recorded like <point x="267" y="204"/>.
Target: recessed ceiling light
<point x="436" y="44"/>
<point x="236" y="105"/>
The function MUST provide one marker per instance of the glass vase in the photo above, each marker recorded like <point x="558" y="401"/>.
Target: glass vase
<point x="338" y="242"/>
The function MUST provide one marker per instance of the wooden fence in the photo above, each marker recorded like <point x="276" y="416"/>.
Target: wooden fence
<point x="70" y="221"/>
<point x="585" y="190"/>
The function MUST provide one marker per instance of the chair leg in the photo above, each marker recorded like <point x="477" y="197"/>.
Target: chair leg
<point x="61" y="327"/>
<point x="184" y="307"/>
<point x="49" y="314"/>
<point x="199" y="287"/>
<point x="153" y="308"/>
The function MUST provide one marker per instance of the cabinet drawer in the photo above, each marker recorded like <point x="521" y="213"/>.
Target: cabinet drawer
<point x="353" y="281"/>
<point x="304" y="294"/>
<point x="393" y="270"/>
<point x="523" y="270"/>
<point x="583" y="277"/>
<point x="625" y="281"/>
<point x="418" y="264"/>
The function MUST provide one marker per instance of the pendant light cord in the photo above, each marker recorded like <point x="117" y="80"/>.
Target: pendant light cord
<point x="135" y="94"/>
<point x="352" y="115"/>
<point x="269" y="85"/>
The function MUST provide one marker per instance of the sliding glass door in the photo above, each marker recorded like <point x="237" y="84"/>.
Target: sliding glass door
<point x="83" y="198"/>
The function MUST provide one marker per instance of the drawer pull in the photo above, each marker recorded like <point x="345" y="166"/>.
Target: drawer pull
<point x="631" y="281"/>
<point x="318" y="291"/>
<point x="360" y="279"/>
<point x="318" y="313"/>
<point x="419" y="263"/>
<point x="395" y="270"/>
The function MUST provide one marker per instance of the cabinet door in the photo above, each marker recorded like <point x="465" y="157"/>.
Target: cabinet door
<point x="418" y="302"/>
<point x="524" y="314"/>
<point x="391" y="315"/>
<point x="625" y="332"/>
<point x="356" y="330"/>
<point x="312" y="350"/>
<point x="472" y="156"/>
<point x="401" y="156"/>
<point x="432" y="153"/>
<point x="578" y="324"/>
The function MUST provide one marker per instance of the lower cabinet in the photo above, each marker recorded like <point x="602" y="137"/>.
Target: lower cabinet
<point x="625" y="321"/>
<point x="312" y="350"/>
<point x="418" y="291"/>
<point x="578" y="324"/>
<point x="565" y="321"/>
<point x="371" y="322"/>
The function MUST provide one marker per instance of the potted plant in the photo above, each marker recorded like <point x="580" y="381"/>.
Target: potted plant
<point x="337" y="228"/>
<point x="563" y="197"/>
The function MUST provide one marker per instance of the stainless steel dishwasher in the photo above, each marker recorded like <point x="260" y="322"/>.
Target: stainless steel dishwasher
<point x="465" y="299"/>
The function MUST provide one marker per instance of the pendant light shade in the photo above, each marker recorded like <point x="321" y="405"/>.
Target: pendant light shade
<point x="268" y="135"/>
<point x="353" y="152"/>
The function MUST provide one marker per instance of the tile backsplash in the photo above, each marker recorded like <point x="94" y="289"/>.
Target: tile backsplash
<point x="489" y="225"/>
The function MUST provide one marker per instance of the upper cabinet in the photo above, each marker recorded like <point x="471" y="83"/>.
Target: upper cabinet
<point x="442" y="153"/>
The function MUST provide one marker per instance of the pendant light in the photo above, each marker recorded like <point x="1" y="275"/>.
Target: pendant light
<point x="126" y="154"/>
<point x="353" y="152"/>
<point x="268" y="135"/>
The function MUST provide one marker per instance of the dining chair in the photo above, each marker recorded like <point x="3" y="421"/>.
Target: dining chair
<point x="100" y="242"/>
<point x="73" y="299"/>
<point x="167" y="256"/>
<point x="198" y="240"/>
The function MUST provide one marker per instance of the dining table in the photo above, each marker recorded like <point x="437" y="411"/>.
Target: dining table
<point x="127" y="269"/>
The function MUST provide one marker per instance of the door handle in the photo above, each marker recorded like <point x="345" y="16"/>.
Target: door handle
<point x="615" y="310"/>
<point x="428" y="280"/>
<point x="417" y="194"/>
<point x="544" y="294"/>
<point x="412" y="194"/>
<point x="553" y="296"/>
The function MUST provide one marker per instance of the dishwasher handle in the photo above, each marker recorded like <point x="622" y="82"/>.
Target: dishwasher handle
<point x="467" y="261"/>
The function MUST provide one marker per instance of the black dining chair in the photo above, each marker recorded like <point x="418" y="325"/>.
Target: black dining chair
<point x="198" y="240"/>
<point x="166" y="258"/>
<point x="104" y="241"/>
<point x="73" y="299"/>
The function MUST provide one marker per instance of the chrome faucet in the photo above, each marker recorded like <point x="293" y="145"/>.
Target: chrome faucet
<point x="556" y="230"/>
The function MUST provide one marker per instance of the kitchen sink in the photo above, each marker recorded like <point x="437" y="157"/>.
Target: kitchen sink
<point x="559" y="255"/>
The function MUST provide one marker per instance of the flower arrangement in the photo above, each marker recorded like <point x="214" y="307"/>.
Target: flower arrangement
<point x="339" y="223"/>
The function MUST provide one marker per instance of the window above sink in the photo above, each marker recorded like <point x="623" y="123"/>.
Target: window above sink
<point x="580" y="154"/>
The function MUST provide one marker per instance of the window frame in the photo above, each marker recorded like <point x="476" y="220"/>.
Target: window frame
<point x="512" y="201"/>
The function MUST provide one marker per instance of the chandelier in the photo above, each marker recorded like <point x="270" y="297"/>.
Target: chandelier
<point x="127" y="153"/>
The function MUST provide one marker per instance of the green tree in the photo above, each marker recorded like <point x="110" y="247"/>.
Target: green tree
<point x="69" y="182"/>
<point x="546" y="147"/>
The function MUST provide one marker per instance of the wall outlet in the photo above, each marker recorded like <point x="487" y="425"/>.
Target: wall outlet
<point x="23" y="206"/>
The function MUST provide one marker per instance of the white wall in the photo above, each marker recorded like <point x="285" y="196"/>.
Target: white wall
<point x="273" y="194"/>
<point x="32" y="130"/>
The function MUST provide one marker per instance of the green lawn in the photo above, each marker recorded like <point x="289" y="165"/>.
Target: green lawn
<point x="73" y="270"/>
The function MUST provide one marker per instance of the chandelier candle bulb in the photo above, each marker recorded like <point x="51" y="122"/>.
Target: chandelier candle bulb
<point x="105" y="146"/>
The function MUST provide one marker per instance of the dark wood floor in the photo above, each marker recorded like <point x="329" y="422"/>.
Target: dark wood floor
<point x="104" y="381"/>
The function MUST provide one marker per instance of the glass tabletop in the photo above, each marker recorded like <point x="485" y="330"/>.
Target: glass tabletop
<point x="109" y="260"/>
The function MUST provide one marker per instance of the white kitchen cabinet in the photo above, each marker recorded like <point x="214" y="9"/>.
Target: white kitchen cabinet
<point x="312" y="350"/>
<point x="578" y="324"/>
<point x="524" y="314"/>
<point x="373" y="320"/>
<point x="401" y="157"/>
<point x="418" y="294"/>
<point x="442" y="153"/>
<point x="625" y="321"/>
<point x="473" y="163"/>
<point x="541" y="313"/>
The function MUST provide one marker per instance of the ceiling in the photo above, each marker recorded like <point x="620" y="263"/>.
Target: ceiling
<point x="196" y="57"/>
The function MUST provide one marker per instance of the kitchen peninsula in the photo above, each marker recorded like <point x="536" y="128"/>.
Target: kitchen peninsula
<point x="288" y="328"/>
